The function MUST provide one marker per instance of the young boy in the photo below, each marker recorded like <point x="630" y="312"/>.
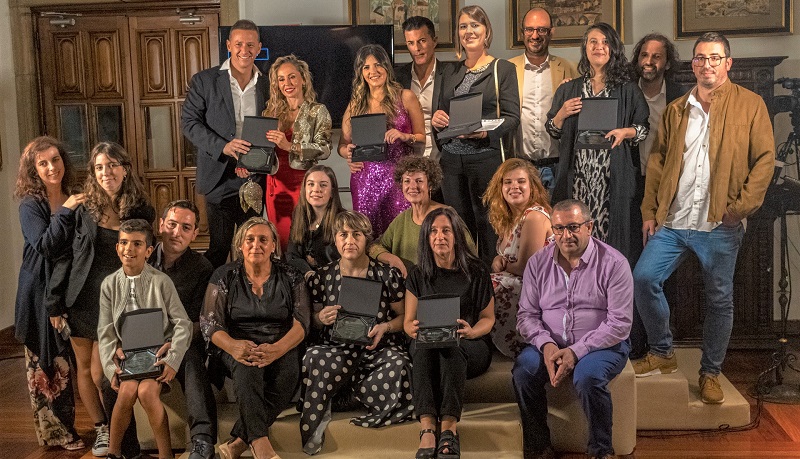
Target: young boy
<point x="137" y="285"/>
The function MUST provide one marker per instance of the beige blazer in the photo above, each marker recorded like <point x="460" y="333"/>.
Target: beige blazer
<point x="559" y="70"/>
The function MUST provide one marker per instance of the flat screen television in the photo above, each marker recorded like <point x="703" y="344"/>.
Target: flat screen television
<point x="328" y="50"/>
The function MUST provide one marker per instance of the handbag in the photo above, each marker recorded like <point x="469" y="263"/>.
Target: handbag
<point x="497" y="101"/>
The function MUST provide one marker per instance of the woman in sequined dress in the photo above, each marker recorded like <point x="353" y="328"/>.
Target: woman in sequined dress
<point x="303" y="137"/>
<point x="375" y="91"/>
<point x="469" y="161"/>
<point x="606" y="180"/>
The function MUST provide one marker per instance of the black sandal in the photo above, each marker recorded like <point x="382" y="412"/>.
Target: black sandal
<point x="426" y="453"/>
<point x="448" y="441"/>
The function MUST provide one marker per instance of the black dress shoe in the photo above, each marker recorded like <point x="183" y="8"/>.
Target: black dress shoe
<point x="201" y="449"/>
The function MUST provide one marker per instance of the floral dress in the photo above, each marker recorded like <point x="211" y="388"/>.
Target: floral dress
<point x="507" y="288"/>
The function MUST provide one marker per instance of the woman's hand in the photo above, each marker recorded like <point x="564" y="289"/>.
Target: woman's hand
<point x="412" y="328"/>
<point x="393" y="135"/>
<point x="244" y="351"/>
<point x="376" y="333"/>
<point x="466" y="330"/>
<point x="440" y="120"/>
<point x="619" y="135"/>
<point x="499" y="264"/>
<point x="279" y="139"/>
<point x="570" y="107"/>
<point x="327" y="316"/>
<point x="394" y="261"/>
<point x="347" y="153"/>
<point x="119" y="356"/>
<point x="162" y="351"/>
<point x="74" y="200"/>
<point x="268" y="354"/>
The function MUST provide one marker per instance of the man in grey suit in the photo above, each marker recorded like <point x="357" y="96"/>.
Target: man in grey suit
<point x="423" y="75"/>
<point x="213" y="114"/>
<point x="539" y="74"/>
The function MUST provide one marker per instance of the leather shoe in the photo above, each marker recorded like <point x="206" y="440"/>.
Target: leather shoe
<point x="201" y="449"/>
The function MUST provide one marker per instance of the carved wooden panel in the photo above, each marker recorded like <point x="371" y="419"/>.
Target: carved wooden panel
<point x="192" y="49"/>
<point x="162" y="190"/>
<point x="199" y="200"/>
<point x="68" y="55"/>
<point x="104" y="52"/>
<point x="155" y="64"/>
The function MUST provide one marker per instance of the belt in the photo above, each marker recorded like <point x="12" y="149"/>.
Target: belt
<point x="544" y="162"/>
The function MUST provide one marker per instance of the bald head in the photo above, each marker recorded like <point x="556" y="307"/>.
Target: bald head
<point x="537" y="29"/>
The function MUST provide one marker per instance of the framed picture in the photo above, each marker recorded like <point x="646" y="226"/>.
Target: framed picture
<point x="732" y="17"/>
<point x="441" y="12"/>
<point x="570" y="18"/>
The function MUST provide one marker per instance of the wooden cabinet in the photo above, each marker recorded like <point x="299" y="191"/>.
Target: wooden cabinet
<point x="753" y="281"/>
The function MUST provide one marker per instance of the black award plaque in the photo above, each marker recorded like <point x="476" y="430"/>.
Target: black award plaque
<point x="369" y="132"/>
<point x="360" y="300"/>
<point x="437" y="322"/>
<point x="142" y="336"/>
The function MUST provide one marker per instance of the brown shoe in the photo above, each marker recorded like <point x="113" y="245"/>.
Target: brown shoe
<point x="710" y="390"/>
<point x="652" y="364"/>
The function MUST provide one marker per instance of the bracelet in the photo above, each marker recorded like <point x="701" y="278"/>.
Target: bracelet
<point x="413" y="139"/>
<point x="388" y="327"/>
<point x="295" y="148"/>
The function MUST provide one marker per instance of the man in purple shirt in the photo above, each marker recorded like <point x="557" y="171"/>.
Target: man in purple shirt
<point x="575" y="313"/>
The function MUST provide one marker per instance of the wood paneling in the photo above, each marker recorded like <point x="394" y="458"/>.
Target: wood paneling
<point x="68" y="53"/>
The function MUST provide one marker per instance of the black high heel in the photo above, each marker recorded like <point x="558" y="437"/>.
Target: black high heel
<point x="426" y="453"/>
<point x="448" y="441"/>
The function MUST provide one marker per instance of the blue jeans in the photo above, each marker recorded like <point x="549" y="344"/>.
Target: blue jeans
<point x="548" y="176"/>
<point x="590" y="376"/>
<point x="664" y="252"/>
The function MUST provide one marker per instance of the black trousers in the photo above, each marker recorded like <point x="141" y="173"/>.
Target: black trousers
<point x="201" y="406"/>
<point x="262" y="393"/>
<point x="223" y="218"/>
<point x="438" y="376"/>
<point x="465" y="180"/>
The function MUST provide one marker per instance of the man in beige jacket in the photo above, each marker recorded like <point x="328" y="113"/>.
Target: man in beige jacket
<point x="539" y="73"/>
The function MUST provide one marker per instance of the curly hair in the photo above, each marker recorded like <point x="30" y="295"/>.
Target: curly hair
<point x="476" y="13"/>
<point x="359" y="101"/>
<point x="672" y="57"/>
<point x="617" y="70"/>
<point x="28" y="181"/>
<point x="501" y="216"/>
<point x="131" y="194"/>
<point x="277" y="105"/>
<point x="241" y="232"/>
<point x="429" y="167"/>
<point x="303" y="215"/>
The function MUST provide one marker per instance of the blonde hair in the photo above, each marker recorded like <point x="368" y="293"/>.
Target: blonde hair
<point x="277" y="105"/>
<point x="476" y="13"/>
<point x="238" y="238"/>
<point x="501" y="216"/>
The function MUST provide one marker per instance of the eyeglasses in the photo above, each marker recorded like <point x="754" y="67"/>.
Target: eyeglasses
<point x="572" y="227"/>
<point x="714" y="61"/>
<point x="543" y="31"/>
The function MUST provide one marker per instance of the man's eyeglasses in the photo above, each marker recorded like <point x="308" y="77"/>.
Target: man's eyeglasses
<point x="572" y="227"/>
<point x="543" y="31"/>
<point x="714" y="61"/>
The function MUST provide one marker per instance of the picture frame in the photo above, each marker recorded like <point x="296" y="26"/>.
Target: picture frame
<point x="441" y="12"/>
<point x="733" y="18"/>
<point x="570" y="21"/>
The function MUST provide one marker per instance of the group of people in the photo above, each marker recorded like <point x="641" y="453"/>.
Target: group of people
<point x="536" y="235"/>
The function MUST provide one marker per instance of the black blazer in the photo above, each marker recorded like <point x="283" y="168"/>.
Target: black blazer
<point x="403" y="76"/>
<point x="208" y="120"/>
<point x="509" y="100"/>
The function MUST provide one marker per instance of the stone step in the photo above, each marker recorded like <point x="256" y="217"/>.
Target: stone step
<point x="672" y="402"/>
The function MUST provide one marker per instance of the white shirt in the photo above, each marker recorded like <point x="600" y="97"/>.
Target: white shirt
<point x="537" y="97"/>
<point x="244" y="101"/>
<point x="424" y="92"/>
<point x="689" y="209"/>
<point x="657" y="105"/>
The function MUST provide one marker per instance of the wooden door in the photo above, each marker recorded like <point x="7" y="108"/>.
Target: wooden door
<point x="122" y="76"/>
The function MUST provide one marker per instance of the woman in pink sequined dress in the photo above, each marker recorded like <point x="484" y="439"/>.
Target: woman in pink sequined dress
<point x="375" y="91"/>
<point x="519" y="212"/>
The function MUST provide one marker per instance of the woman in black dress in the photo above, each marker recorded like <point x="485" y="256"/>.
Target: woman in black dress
<point x="311" y="237"/>
<point x="257" y="312"/>
<point x="376" y="377"/>
<point x="113" y="193"/>
<point x="447" y="267"/>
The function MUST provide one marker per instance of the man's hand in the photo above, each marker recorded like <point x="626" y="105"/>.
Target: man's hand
<point x="730" y="220"/>
<point x="440" y="120"/>
<point x="119" y="356"/>
<point x="648" y="229"/>
<point x="236" y="147"/>
<point x="564" y="361"/>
